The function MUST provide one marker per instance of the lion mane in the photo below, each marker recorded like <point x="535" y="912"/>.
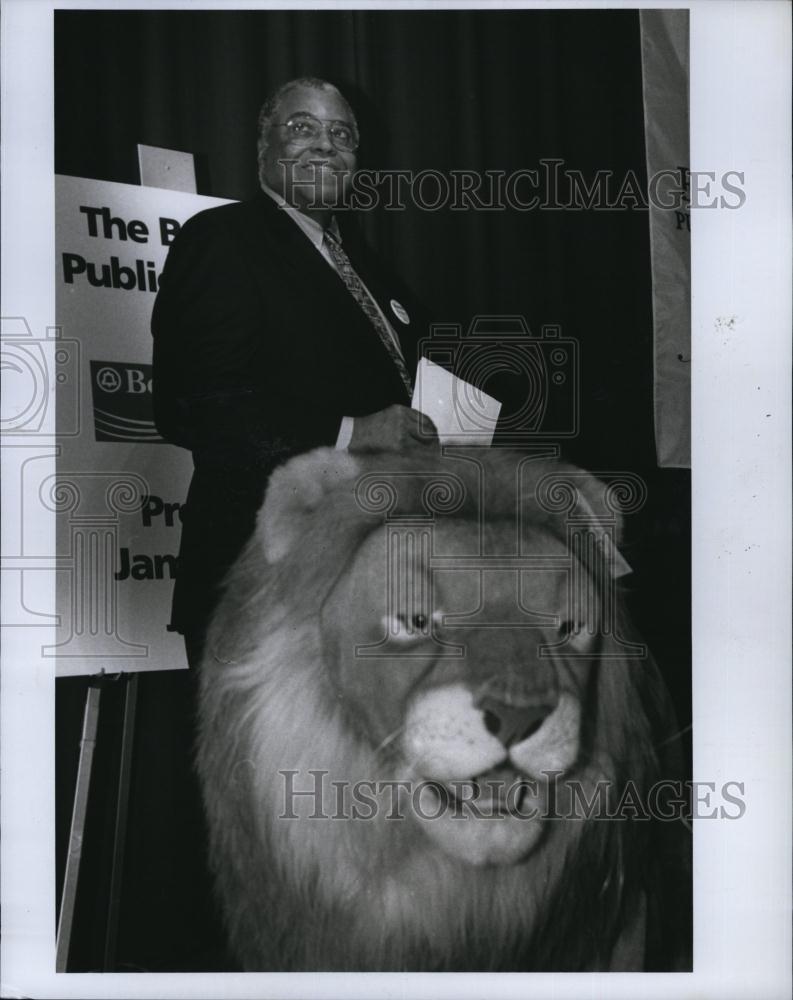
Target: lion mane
<point x="355" y="701"/>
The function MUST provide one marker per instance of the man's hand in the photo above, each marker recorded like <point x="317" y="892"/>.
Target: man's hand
<point x="393" y="429"/>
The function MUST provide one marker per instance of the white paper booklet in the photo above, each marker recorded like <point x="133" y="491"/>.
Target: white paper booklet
<point x="462" y="413"/>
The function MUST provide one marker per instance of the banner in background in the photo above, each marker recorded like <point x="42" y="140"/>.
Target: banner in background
<point x="118" y="488"/>
<point x="664" y="40"/>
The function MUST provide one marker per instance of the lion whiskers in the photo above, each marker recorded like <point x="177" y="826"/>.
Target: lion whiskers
<point x="389" y="739"/>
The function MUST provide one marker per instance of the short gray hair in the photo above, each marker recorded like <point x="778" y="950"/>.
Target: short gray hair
<point x="268" y="110"/>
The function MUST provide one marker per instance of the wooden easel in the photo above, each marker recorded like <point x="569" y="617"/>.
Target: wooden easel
<point x="80" y="812"/>
<point x="164" y="168"/>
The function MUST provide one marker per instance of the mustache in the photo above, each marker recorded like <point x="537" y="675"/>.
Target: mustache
<point x="307" y="157"/>
<point x="316" y="162"/>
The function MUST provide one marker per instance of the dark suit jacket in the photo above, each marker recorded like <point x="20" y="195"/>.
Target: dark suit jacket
<point x="259" y="351"/>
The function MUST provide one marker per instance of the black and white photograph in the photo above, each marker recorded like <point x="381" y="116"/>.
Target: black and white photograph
<point x="396" y="560"/>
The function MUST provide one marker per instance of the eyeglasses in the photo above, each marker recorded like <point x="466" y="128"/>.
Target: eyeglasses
<point x="307" y="128"/>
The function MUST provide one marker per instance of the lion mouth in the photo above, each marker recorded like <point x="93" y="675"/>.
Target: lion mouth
<point x="499" y="792"/>
<point x="485" y="787"/>
<point x="493" y="820"/>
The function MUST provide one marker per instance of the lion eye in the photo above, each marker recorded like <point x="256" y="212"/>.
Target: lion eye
<point x="570" y="628"/>
<point x="575" y="635"/>
<point x="408" y="627"/>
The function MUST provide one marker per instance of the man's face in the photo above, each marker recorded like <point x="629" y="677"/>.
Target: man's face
<point x="322" y="171"/>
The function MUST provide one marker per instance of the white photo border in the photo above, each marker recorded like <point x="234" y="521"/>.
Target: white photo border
<point x="741" y="441"/>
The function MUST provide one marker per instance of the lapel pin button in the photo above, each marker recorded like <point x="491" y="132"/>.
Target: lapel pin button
<point x="400" y="312"/>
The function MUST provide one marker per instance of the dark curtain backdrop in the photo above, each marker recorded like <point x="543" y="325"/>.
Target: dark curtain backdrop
<point x="443" y="90"/>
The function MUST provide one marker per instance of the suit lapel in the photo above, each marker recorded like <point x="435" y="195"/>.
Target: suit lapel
<point x="270" y="235"/>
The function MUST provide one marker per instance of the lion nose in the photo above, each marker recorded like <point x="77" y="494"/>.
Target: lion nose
<point x="513" y="723"/>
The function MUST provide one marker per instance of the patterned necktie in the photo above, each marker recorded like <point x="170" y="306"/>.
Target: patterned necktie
<point x="365" y="301"/>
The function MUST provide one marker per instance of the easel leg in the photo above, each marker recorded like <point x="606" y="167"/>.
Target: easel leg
<point x="77" y="830"/>
<point x="122" y="812"/>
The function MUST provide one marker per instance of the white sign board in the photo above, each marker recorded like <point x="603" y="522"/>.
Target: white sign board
<point x="118" y="488"/>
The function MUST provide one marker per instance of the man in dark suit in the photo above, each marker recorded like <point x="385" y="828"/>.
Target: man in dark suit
<point x="274" y="335"/>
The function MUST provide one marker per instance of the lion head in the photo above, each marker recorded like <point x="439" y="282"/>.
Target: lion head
<point x="427" y="731"/>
